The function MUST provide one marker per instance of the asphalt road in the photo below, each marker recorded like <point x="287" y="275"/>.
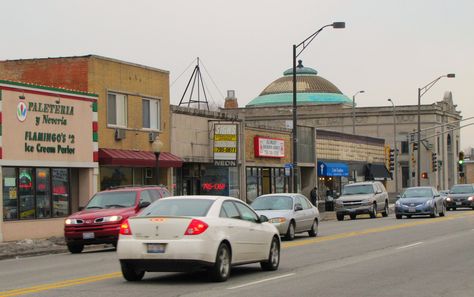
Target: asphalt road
<point x="366" y="257"/>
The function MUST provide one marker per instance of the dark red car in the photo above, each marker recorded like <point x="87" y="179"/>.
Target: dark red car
<point x="99" y="222"/>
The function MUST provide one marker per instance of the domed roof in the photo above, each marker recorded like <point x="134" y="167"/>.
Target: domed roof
<point x="311" y="89"/>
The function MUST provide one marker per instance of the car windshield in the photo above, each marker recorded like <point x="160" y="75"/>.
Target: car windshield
<point x="116" y="199"/>
<point x="357" y="189"/>
<point x="178" y="207"/>
<point x="461" y="190"/>
<point x="272" y="203"/>
<point x="417" y="193"/>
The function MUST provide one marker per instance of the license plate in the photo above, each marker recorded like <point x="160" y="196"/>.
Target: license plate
<point x="88" y="235"/>
<point x="411" y="209"/>
<point x="156" y="248"/>
<point x="458" y="203"/>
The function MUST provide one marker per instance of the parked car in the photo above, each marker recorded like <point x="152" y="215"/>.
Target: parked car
<point x="362" y="198"/>
<point x="188" y="233"/>
<point x="461" y="195"/>
<point x="420" y="201"/>
<point x="99" y="222"/>
<point x="289" y="213"/>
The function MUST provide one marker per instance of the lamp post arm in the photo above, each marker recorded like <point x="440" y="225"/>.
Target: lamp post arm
<point x="428" y="86"/>
<point x="308" y="40"/>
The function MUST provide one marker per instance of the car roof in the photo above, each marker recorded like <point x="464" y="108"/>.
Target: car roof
<point x="362" y="183"/>
<point x="425" y="187"/>
<point x="208" y="197"/>
<point x="133" y="188"/>
<point x="280" y="194"/>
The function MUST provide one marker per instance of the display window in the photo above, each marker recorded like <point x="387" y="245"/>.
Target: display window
<point x="35" y="193"/>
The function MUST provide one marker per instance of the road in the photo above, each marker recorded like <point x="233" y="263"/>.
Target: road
<point x="366" y="257"/>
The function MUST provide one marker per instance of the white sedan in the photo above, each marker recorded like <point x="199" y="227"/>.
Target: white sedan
<point x="188" y="233"/>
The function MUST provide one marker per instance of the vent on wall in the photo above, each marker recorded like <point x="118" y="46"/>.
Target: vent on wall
<point x="119" y="134"/>
<point x="152" y="136"/>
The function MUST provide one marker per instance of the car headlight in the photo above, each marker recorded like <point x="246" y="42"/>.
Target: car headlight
<point x="366" y="202"/>
<point x="72" y="222"/>
<point x="470" y="198"/>
<point x="339" y="202"/>
<point x="429" y="203"/>
<point x="112" y="219"/>
<point x="398" y="203"/>
<point x="449" y="199"/>
<point x="277" y="220"/>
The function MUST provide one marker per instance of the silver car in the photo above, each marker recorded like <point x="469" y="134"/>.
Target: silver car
<point x="291" y="213"/>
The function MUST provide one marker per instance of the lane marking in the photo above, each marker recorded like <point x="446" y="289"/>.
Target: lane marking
<point x="261" y="281"/>
<point x="410" y="245"/>
<point x="96" y="278"/>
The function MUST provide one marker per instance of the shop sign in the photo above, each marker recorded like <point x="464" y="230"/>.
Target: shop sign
<point x="225" y="145"/>
<point x="269" y="147"/>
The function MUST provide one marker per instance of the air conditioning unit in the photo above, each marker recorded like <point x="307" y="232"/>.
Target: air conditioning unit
<point x="119" y="134"/>
<point x="152" y="136"/>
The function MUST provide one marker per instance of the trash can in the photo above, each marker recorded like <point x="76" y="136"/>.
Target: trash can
<point x="329" y="204"/>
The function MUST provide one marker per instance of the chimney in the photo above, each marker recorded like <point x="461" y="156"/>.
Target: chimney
<point x="230" y="100"/>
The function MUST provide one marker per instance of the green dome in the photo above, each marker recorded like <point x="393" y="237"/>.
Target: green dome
<point x="311" y="89"/>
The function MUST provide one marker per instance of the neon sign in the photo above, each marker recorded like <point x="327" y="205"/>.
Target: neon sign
<point x="213" y="186"/>
<point x="25" y="180"/>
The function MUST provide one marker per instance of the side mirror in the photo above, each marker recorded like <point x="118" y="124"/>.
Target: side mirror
<point x="398" y="196"/>
<point x="263" y="219"/>
<point x="298" y="207"/>
<point x="80" y="208"/>
<point x="144" y="204"/>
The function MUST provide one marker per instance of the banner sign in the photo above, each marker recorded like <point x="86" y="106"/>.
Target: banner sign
<point x="269" y="147"/>
<point x="225" y="145"/>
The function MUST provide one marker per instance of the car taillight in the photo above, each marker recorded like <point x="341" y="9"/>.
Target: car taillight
<point x="196" y="227"/>
<point x="125" y="228"/>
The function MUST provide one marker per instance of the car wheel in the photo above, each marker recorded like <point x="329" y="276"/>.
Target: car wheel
<point x="340" y="217"/>
<point x="408" y="216"/>
<point x="385" y="210"/>
<point x="353" y="216"/>
<point x="273" y="257"/>
<point x="449" y="208"/>
<point x="373" y="212"/>
<point x="434" y="213"/>
<point x="75" y="248"/>
<point x="221" y="270"/>
<point x="130" y="273"/>
<point x="314" y="229"/>
<point x="398" y="216"/>
<point x="290" y="233"/>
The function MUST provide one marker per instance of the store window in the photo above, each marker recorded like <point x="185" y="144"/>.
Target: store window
<point x="151" y="114"/>
<point x="35" y="193"/>
<point x="117" y="110"/>
<point x="254" y="177"/>
<point x="115" y="176"/>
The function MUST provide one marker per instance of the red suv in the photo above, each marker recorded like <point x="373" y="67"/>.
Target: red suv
<point x="99" y="222"/>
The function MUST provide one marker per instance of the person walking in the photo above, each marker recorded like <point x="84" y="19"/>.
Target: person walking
<point x="314" y="196"/>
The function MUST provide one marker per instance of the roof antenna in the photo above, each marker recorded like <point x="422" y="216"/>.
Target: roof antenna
<point x="198" y="83"/>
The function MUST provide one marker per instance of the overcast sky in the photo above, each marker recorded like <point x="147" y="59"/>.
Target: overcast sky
<point x="389" y="48"/>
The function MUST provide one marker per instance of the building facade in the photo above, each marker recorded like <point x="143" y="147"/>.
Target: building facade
<point x="48" y="157"/>
<point x="133" y="112"/>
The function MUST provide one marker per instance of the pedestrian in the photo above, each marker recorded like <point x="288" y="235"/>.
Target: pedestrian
<point x="314" y="196"/>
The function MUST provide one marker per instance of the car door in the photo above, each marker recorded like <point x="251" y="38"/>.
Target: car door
<point x="299" y="215"/>
<point x="236" y="230"/>
<point x="308" y="214"/>
<point x="257" y="238"/>
<point x="380" y="195"/>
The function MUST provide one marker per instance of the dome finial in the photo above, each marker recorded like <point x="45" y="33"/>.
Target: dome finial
<point x="300" y="64"/>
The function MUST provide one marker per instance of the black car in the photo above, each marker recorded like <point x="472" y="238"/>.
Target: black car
<point x="460" y="196"/>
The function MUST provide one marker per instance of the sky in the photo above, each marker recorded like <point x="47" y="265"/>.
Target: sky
<point x="389" y="49"/>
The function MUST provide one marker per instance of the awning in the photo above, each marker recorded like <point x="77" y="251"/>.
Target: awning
<point x="376" y="172"/>
<point x="332" y="169"/>
<point x="128" y="158"/>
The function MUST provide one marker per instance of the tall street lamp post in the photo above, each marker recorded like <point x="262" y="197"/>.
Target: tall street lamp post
<point x="156" y="146"/>
<point x="353" y="111"/>
<point x="302" y="46"/>
<point x="395" y="149"/>
<point x="421" y="92"/>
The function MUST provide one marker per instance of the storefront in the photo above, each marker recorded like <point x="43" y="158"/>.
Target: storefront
<point x="332" y="177"/>
<point x="48" y="157"/>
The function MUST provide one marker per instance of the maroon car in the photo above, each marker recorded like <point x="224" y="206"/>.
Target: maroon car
<point x="99" y="221"/>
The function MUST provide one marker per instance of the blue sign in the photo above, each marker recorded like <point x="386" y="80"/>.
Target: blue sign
<point x="332" y="169"/>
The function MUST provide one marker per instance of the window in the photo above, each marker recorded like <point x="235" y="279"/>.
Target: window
<point x="404" y="147"/>
<point x="246" y="213"/>
<point x="151" y="114"/>
<point x="229" y="211"/>
<point x="305" y="203"/>
<point x="60" y="182"/>
<point x="179" y="207"/>
<point x="117" y="110"/>
<point x="10" y="194"/>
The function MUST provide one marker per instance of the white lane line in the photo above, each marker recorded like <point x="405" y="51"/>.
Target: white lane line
<point x="261" y="281"/>
<point x="410" y="245"/>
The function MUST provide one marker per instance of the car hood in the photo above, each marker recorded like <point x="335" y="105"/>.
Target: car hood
<point x="99" y="213"/>
<point x="355" y="197"/>
<point x="275" y="213"/>
<point x="461" y="195"/>
<point x="416" y="200"/>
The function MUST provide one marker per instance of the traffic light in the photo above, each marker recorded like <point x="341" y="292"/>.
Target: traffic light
<point x="434" y="161"/>
<point x="461" y="162"/>
<point x="415" y="146"/>
<point x="391" y="165"/>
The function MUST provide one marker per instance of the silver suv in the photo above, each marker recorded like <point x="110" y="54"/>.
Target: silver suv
<point x="362" y="198"/>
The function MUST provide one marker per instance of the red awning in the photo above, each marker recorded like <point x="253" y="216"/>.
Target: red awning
<point x="129" y="158"/>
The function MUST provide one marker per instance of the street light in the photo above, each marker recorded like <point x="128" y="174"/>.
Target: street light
<point x="303" y="45"/>
<point x="395" y="150"/>
<point x="156" y="146"/>
<point x="353" y="111"/>
<point x="421" y="92"/>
